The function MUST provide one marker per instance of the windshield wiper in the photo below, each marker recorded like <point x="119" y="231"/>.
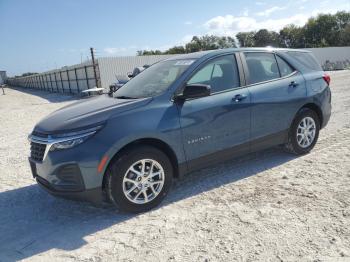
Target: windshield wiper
<point x="125" y="97"/>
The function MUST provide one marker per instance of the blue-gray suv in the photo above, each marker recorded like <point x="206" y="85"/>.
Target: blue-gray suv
<point x="179" y="115"/>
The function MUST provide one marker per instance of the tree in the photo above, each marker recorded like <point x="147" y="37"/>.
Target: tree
<point x="292" y="36"/>
<point x="342" y="19"/>
<point x="176" y="50"/>
<point x="343" y="24"/>
<point x="148" y="52"/>
<point x="345" y="36"/>
<point x="209" y="42"/>
<point x="321" y="31"/>
<point x="264" y="38"/>
<point x="246" y="39"/>
<point x="226" y="42"/>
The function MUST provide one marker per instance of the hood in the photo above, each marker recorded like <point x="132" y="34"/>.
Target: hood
<point x="86" y="113"/>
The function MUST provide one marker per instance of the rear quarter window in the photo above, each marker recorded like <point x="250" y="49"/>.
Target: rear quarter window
<point x="306" y="59"/>
<point x="284" y="67"/>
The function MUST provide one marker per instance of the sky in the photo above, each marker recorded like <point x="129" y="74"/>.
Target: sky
<point x="40" y="35"/>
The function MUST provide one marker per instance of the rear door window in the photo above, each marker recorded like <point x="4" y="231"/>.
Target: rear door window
<point x="262" y="67"/>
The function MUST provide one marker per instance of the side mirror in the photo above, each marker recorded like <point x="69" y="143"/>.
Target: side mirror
<point x="130" y="75"/>
<point x="195" y="91"/>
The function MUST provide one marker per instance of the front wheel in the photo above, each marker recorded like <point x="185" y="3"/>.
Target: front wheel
<point x="139" y="179"/>
<point x="303" y="133"/>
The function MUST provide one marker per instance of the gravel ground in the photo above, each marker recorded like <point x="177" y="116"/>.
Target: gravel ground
<point x="267" y="206"/>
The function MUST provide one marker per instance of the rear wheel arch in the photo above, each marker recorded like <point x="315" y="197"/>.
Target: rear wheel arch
<point x="303" y="132"/>
<point x="157" y="143"/>
<point x="314" y="107"/>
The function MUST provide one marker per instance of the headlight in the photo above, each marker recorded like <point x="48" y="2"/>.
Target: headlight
<point x="72" y="139"/>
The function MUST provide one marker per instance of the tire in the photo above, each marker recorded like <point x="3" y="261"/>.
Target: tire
<point x="302" y="147"/>
<point x="155" y="187"/>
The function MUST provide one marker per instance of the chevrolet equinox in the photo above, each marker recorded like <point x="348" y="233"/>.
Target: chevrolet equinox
<point x="179" y="115"/>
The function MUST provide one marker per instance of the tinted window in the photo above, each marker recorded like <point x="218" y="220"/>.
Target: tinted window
<point x="262" y="67"/>
<point x="203" y="75"/>
<point x="306" y="59"/>
<point x="285" y="69"/>
<point x="220" y="73"/>
<point x="217" y="71"/>
<point x="154" y="80"/>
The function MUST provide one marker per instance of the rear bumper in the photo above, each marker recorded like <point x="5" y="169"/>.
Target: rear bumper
<point x="326" y="118"/>
<point x="327" y="108"/>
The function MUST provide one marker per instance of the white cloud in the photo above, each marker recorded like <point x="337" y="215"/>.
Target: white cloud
<point x="245" y="12"/>
<point x="185" y="40"/>
<point x="271" y="10"/>
<point x="226" y="25"/>
<point x="120" y="50"/>
<point x="328" y="11"/>
<point x="114" y="50"/>
<point x="230" y="25"/>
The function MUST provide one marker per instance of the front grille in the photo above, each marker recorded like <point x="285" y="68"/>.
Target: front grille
<point x="37" y="151"/>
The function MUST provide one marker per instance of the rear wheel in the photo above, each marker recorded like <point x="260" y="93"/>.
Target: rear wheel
<point x="303" y="133"/>
<point x="139" y="179"/>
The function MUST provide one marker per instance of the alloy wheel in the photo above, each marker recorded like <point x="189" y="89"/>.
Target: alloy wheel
<point x="143" y="181"/>
<point x="306" y="132"/>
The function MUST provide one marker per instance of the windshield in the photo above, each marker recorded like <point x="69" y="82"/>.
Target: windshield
<point x="154" y="80"/>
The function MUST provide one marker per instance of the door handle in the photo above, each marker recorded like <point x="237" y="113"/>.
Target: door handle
<point x="239" y="97"/>
<point x="293" y="84"/>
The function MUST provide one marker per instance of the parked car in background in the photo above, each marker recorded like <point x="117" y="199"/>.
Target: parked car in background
<point x="122" y="80"/>
<point x="117" y="84"/>
<point x="179" y="115"/>
<point x="137" y="70"/>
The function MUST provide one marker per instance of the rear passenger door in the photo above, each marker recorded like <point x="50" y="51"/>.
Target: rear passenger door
<point x="277" y="91"/>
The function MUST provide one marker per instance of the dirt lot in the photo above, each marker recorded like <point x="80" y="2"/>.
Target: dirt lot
<point x="268" y="206"/>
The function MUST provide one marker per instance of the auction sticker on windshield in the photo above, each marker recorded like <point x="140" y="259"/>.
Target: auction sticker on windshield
<point x="184" y="62"/>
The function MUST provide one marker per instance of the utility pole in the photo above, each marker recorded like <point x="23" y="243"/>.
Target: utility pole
<point x="94" y="65"/>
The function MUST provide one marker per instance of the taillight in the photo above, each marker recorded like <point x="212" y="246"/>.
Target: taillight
<point x="327" y="78"/>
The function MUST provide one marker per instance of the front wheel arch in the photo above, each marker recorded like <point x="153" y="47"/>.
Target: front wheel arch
<point x="159" y="144"/>
<point x="115" y="175"/>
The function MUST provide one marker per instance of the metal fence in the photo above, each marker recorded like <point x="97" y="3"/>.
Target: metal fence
<point x="73" y="79"/>
<point x="112" y="68"/>
<point x="77" y="78"/>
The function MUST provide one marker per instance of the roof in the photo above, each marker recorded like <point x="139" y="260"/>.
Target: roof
<point x="201" y="54"/>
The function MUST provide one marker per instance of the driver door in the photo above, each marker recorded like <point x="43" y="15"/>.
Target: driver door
<point x="216" y="127"/>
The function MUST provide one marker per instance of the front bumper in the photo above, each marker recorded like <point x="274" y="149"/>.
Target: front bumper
<point x="94" y="196"/>
<point x="70" y="173"/>
<point x="65" y="181"/>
